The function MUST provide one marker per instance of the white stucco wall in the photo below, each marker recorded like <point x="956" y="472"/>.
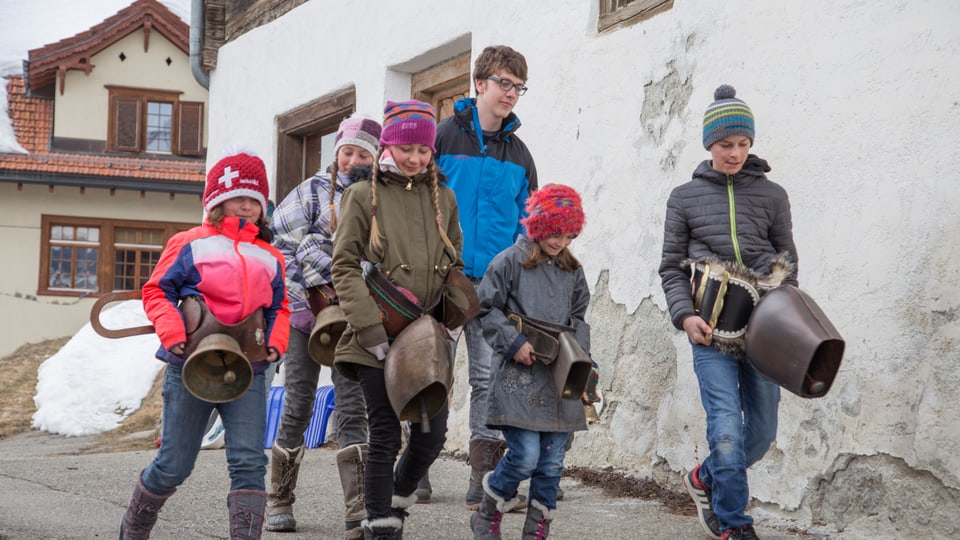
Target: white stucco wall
<point x="856" y="109"/>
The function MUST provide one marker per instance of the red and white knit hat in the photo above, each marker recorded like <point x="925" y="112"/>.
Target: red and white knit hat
<point x="553" y="209"/>
<point x="239" y="173"/>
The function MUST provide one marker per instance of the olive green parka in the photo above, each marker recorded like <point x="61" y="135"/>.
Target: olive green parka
<point x="412" y="255"/>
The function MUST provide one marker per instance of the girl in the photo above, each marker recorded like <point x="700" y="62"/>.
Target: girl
<point x="399" y="217"/>
<point x="536" y="277"/>
<point x="304" y="224"/>
<point x="229" y="264"/>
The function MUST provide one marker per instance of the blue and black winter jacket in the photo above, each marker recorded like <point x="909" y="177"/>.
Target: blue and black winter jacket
<point x="492" y="174"/>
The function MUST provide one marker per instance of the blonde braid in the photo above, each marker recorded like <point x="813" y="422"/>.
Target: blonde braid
<point x="435" y="184"/>
<point x="334" y="170"/>
<point x="376" y="242"/>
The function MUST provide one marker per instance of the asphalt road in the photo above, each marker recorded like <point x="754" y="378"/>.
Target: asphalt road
<point x="48" y="491"/>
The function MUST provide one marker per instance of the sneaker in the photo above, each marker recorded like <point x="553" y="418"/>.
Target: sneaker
<point x="745" y="532"/>
<point x="701" y="499"/>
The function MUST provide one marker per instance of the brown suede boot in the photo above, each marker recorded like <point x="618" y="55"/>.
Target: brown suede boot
<point x="351" y="462"/>
<point x="246" y="513"/>
<point x="141" y="514"/>
<point x="484" y="456"/>
<point x="284" y="469"/>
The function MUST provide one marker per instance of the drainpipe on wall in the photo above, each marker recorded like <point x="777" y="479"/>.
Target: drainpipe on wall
<point x="196" y="37"/>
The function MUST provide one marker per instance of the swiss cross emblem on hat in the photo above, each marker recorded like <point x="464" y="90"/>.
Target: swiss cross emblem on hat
<point x="238" y="174"/>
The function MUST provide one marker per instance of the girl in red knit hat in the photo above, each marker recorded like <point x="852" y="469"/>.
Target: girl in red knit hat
<point x="537" y="278"/>
<point x="228" y="265"/>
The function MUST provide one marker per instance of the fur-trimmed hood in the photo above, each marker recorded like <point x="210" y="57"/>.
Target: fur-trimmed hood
<point x="363" y="173"/>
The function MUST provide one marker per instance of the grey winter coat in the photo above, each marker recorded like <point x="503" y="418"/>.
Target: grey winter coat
<point x="525" y="396"/>
<point x="698" y="225"/>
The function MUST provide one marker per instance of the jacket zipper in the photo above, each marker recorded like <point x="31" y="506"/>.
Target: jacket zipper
<point x="733" y="220"/>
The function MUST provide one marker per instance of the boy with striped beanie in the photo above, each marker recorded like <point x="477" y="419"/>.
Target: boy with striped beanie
<point x="726" y="116"/>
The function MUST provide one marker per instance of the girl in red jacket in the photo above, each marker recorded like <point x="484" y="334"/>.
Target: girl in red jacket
<point x="229" y="265"/>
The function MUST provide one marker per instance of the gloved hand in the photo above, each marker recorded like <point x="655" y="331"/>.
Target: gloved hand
<point x="379" y="351"/>
<point x="302" y="320"/>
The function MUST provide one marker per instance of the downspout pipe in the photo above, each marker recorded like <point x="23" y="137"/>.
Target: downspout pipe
<point x="196" y="39"/>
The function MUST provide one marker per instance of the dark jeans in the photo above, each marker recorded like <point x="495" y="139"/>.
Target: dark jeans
<point x="381" y="482"/>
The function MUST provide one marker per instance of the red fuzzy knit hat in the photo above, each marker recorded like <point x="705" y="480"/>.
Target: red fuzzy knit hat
<point x="553" y="209"/>
<point x="239" y="173"/>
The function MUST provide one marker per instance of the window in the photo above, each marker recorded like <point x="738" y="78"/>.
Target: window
<point x="154" y="121"/>
<point x="443" y="84"/>
<point x="83" y="255"/>
<point x="159" y="117"/>
<point x="303" y="134"/>
<point x="620" y="13"/>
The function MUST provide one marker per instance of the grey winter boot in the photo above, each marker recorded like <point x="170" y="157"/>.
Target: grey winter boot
<point x="246" y="513"/>
<point x="485" y="521"/>
<point x="351" y="462"/>
<point x="537" y="524"/>
<point x="424" y="490"/>
<point x="141" y="514"/>
<point x="284" y="468"/>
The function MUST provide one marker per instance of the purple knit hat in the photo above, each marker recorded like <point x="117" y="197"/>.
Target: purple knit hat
<point x="409" y="122"/>
<point x="358" y="130"/>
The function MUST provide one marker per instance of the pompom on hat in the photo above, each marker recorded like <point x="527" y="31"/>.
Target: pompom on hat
<point x="409" y="122"/>
<point x="358" y="130"/>
<point x="238" y="173"/>
<point x="726" y="116"/>
<point x="551" y="210"/>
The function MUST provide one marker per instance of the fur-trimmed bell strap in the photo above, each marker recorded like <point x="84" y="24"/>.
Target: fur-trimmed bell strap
<point x="725" y="293"/>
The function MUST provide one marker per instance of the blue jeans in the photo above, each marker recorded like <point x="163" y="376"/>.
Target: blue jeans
<point x="741" y="406"/>
<point x="184" y="423"/>
<point x="479" y="362"/>
<point x="537" y="455"/>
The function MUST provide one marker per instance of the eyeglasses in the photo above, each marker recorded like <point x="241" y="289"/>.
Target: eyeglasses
<point x="506" y="85"/>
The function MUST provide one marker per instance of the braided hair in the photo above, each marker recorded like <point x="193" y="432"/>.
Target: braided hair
<point x="376" y="239"/>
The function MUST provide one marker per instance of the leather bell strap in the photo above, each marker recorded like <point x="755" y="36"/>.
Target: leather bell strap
<point x="725" y="302"/>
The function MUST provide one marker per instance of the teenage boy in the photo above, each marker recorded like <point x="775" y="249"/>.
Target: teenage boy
<point x="492" y="173"/>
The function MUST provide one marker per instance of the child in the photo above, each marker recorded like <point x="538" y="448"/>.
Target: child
<point x="229" y="264"/>
<point x="730" y="213"/>
<point x="399" y="217"/>
<point x="304" y="224"/>
<point x="536" y="277"/>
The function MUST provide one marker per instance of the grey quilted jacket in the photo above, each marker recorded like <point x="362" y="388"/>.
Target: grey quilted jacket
<point x="742" y="218"/>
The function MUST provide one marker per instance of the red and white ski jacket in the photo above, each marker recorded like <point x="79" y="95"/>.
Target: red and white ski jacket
<point x="234" y="272"/>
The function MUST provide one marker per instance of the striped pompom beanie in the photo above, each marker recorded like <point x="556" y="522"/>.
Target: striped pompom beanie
<point x="726" y="116"/>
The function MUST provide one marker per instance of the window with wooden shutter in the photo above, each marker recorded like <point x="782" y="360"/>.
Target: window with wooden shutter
<point x="154" y="121"/>
<point x="80" y="255"/>
<point x="190" y="128"/>
<point x="126" y="123"/>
